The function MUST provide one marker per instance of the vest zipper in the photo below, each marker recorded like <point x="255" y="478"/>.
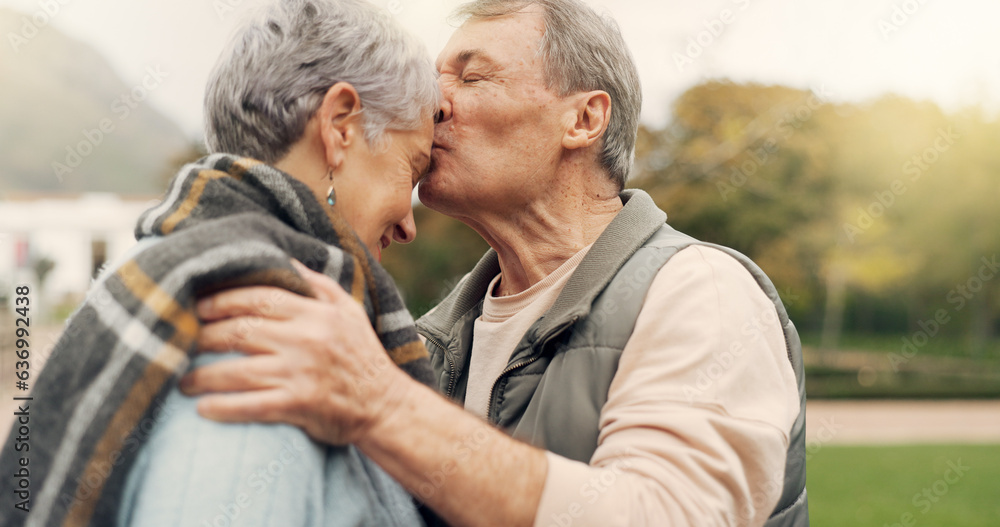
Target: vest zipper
<point x="493" y="389"/>
<point x="508" y="369"/>
<point x="451" y="364"/>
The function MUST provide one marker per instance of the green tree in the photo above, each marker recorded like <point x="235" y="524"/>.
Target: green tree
<point x="746" y="166"/>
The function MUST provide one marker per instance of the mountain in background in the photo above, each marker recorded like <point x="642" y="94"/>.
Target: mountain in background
<point x="53" y="89"/>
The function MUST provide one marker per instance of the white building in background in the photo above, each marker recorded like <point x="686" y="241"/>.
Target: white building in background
<point x="78" y="233"/>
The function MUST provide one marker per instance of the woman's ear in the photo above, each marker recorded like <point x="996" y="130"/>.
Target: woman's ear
<point x="591" y="114"/>
<point x="339" y="121"/>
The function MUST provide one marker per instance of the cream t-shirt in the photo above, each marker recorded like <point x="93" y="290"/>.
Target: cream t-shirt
<point x="507" y="318"/>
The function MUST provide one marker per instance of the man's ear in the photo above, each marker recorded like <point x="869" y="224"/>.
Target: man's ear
<point x="590" y="119"/>
<point x="339" y="121"/>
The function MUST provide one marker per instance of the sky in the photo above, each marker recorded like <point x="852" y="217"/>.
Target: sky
<point x="849" y="50"/>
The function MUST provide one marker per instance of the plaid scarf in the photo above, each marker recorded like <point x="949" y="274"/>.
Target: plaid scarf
<point x="226" y="222"/>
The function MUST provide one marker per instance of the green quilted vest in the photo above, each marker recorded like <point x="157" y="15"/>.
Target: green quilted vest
<point x="551" y="392"/>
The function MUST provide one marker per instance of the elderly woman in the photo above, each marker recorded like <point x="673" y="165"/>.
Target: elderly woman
<point x="320" y="120"/>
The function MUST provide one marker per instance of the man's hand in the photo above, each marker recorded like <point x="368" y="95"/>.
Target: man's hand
<point x="314" y="363"/>
<point x="317" y="364"/>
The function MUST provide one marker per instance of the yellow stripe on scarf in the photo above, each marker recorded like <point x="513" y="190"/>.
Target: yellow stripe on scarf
<point x="363" y="275"/>
<point x="408" y="352"/>
<point x="358" y="281"/>
<point x="236" y="171"/>
<point x="162" y="304"/>
<point x="107" y="452"/>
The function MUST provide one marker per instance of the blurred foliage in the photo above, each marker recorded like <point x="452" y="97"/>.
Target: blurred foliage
<point x="868" y="217"/>
<point x="876" y="211"/>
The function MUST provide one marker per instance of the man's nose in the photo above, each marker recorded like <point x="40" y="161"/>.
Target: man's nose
<point x="406" y="230"/>
<point x="444" y="112"/>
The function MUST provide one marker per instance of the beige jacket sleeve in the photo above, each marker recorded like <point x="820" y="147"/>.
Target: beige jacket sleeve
<point x="695" y="428"/>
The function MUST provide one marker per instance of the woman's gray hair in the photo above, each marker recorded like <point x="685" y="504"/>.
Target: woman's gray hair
<point x="275" y="72"/>
<point x="583" y="51"/>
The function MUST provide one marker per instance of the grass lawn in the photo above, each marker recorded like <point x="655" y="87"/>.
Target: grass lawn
<point x="885" y="486"/>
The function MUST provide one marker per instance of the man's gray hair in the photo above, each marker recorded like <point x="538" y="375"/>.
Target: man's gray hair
<point x="583" y="51"/>
<point x="272" y="78"/>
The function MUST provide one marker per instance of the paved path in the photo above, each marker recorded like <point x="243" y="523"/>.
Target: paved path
<point x="859" y="422"/>
<point x="901" y="422"/>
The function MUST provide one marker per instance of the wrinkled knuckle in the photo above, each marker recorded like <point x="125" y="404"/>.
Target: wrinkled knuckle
<point x="220" y="304"/>
<point x="193" y="379"/>
<point x="206" y="407"/>
<point x="296" y="403"/>
<point x="319" y="353"/>
<point x="309" y="336"/>
<point x="307" y="371"/>
<point x="262" y="305"/>
<point x="282" y="369"/>
<point x="230" y="336"/>
<point x="207" y="340"/>
<point x="308" y="397"/>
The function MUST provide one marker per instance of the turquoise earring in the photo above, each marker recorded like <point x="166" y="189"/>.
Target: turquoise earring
<point x="331" y="195"/>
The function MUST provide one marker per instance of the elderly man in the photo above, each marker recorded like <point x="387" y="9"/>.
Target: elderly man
<point x="612" y="370"/>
